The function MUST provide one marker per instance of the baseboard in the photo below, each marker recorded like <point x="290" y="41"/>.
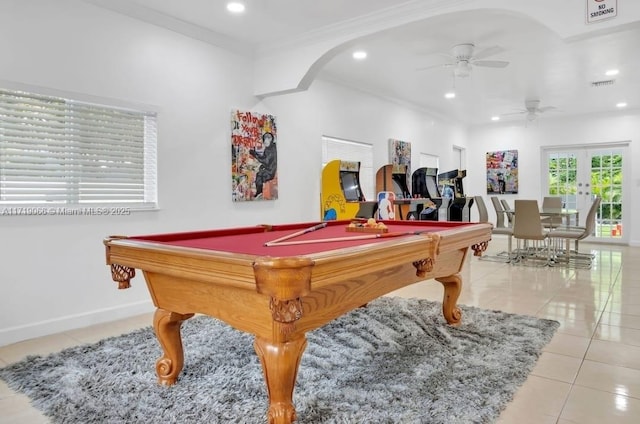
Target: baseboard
<point x="72" y="322"/>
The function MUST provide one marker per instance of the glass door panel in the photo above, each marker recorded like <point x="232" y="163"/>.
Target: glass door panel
<point x="578" y="175"/>
<point x="606" y="182"/>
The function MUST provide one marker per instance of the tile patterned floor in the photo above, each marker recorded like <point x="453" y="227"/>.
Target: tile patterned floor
<point x="589" y="372"/>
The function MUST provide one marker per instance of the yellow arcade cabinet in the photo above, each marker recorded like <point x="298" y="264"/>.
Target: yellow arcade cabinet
<point x="341" y="195"/>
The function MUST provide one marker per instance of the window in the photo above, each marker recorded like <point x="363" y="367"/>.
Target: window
<point x="61" y="152"/>
<point x="335" y="148"/>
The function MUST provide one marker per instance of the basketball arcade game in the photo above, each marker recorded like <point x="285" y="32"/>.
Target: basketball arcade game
<point x="459" y="207"/>
<point x="392" y="187"/>
<point x="341" y="195"/>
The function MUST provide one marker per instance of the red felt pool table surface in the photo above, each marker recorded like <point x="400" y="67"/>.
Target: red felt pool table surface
<point x="279" y="293"/>
<point x="252" y="240"/>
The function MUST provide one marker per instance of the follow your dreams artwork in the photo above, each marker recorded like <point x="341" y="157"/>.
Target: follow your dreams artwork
<point x="254" y="156"/>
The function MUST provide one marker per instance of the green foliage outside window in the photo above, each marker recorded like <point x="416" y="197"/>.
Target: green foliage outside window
<point x="606" y="182"/>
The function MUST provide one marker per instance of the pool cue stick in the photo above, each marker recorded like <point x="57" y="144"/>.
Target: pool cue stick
<point x="347" y="238"/>
<point x="296" y="234"/>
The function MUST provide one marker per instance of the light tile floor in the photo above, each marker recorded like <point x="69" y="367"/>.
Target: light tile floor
<point x="588" y="373"/>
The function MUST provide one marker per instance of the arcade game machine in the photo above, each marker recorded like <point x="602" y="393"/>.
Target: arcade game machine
<point x="391" y="185"/>
<point x="341" y="196"/>
<point x="424" y="185"/>
<point x="459" y="206"/>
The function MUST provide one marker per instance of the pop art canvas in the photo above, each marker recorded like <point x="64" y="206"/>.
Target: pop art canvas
<point x="254" y="156"/>
<point x="502" y="172"/>
<point x="400" y="154"/>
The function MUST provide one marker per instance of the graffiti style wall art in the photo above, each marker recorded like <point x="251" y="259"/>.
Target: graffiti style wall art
<point x="400" y="153"/>
<point x="502" y="172"/>
<point x="254" y="157"/>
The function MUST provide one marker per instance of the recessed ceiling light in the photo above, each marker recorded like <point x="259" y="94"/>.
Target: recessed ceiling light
<point x="621" y="104"/>
<point x="612" y="72"/>
<point x="450" y="95"/>
<point x="359" y="55"/>
<point x="235" y="7"/>
<point x="495" y="118"/>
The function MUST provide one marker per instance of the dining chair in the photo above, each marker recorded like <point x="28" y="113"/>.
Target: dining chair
<point x="483" y="214"/>
<point x="500" y="213"/>
<point x="508" y="211"/>
<point x="576" y="234"/>
<point x="551" y="202"/>
<point x="527" y="227"/>
<point x="501" y="229"/>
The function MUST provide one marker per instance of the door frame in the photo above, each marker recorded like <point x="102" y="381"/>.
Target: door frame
<point x="626" y="190"/>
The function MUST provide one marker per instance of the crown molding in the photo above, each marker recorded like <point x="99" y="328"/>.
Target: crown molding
<point x="159" y="19"/>
<point x="371" y="23"/>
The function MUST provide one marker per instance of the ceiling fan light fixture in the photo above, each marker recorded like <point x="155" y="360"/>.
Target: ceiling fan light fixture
<point x="450" y="95"/>
<point x="495" y="118"/>
<point x="621" y="105"/>
<point x="463" y="69"/>
<point x="235" y="7"/>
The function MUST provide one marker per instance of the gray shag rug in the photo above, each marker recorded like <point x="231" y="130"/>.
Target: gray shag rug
<point x="395" y="361"/>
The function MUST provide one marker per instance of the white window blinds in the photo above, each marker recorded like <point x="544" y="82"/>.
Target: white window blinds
<point x="56" y="151"/>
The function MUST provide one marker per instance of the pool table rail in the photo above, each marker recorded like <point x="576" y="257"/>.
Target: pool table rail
<point x="280" y="298"/>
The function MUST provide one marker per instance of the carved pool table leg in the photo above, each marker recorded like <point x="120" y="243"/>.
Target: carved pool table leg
<point x="280" y="362"/>
<point x="167" y="327"/>
<point x="452" y="287"/>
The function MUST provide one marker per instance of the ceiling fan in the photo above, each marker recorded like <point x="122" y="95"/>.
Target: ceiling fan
<point x="463" y="59"/>
<point x="532" y="109"/>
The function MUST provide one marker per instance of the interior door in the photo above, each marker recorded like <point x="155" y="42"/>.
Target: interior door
<point x="579" y="174"/>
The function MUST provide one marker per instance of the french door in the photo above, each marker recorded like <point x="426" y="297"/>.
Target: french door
<point x="579" y="174"/>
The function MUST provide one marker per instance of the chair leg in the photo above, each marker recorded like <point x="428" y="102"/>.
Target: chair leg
<point x="563" y="256"/>
<point x="523" y="255"/>
<point x="505" y="257"/>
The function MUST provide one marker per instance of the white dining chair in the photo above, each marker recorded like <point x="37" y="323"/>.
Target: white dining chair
<point x="552" y="202"/>
<point x="527" y="227"/>
<point x="508" y="211"/>
<point x="562" y="234"/>
<point x="501" y="229"/>
<point x="483" y="215"/>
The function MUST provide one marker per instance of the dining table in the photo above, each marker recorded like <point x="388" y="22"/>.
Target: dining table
<point x="563" y="213"/>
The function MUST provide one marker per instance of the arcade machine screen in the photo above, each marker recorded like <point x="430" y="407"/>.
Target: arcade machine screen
<point x="400" y="186"/>
<point x="432" y="187"/>
<point x="425" y="185"/>
<point x="351" y="186"/>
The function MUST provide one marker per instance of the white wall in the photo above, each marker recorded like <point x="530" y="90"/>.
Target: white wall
<point x="529" y="141"/>
<point x="52" y="271"/>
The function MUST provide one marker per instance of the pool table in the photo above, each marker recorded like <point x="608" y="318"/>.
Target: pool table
<point x="279" y="292"/>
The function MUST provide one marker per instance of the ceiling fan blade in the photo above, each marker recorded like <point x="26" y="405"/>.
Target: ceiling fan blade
<point x="514" y="113"/>
<point x="440" y="65"/>
<point x="490" y="63"/>
<point x="489" y="51"/>
<point x="545" y="108"/>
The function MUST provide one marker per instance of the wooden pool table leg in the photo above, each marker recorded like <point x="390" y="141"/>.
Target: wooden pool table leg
<point x="280" y="362"/>
<point x="167" y="327"/>
<point x="452" y="287"/>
